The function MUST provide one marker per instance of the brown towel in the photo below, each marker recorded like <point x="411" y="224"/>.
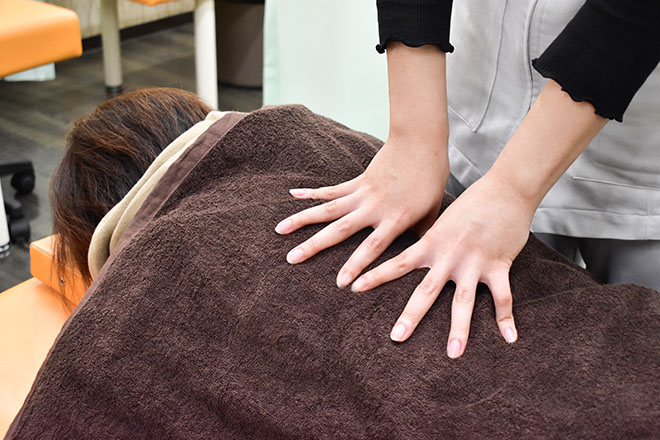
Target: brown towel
<point x="197" y="328"/>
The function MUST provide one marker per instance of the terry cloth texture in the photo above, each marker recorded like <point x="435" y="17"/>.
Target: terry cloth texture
<point x="197" y="328"/>
<point x="107" y="233"/>
<point x="114" y="223"/>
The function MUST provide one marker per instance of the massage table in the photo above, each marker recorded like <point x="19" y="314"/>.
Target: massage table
<point x="31" y="315"/>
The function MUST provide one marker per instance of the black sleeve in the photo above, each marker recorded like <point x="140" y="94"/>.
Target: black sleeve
<point x="414" y="23"/>
<point x="605" y="53"/>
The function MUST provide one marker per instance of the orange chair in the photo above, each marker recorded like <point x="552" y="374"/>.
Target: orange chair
<point x="31" y="34"/>
<point x="31" y="315"/>
<point x="34" y="33"/>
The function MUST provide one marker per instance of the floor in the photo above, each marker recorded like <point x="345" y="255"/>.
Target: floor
<point x="35" y="116"/>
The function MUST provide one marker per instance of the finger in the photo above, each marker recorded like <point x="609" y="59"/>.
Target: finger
<point x="461" y="314"/>
<point x="370" y="249"/>
<point x="392" y="269"/>
<point x="326" y="192"/>
<point x="500" y="288"/>
<point x="334" y="233"/>
<point x="323" y="213"/>
<point x="419" y="303"/>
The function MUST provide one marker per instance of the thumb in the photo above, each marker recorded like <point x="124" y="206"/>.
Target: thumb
<point x="425" y="223"/>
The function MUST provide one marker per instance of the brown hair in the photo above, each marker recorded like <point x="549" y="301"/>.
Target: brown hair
<point x="106" y="154"/>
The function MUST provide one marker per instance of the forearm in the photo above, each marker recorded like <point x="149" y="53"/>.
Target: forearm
<point x="418" y="92"/>
<point x="553" y="134"/>
<point x="605" y="53"/>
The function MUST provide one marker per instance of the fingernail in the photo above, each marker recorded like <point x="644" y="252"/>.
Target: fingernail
<point x="509" y="335"/>
<point x="295" y="256"/>
<point x="343" y="280"/>
<point x="283" y="227"/>
<point x="358" y="285"/>
<point x="454" y="348"/>
<point x="398" y="332"/>
<point x="297" y="192"/>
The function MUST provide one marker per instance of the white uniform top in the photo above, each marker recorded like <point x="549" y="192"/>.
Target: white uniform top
<point x="613" y="189"/>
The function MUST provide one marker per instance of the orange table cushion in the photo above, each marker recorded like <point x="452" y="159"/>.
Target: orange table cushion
<point x="31" y="316"/>
<point x="42" y="267"/>
<point x="34" y="33"/>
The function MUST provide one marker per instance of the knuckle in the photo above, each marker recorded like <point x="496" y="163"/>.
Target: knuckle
<point x="311" y="245"/>
<point x="297" y="220"/>
<point x="409" y="317"/>
<point x="463" y="296"/>
<point x="505" y="319"/>
<point x="502" y="299"/>
<point x="429" y="286"/>
<point x="330" y="207"/>
<point x="311" y="193"/>
<point x="400" y="220"/>
<point x="375" y="243"/>
<point x="401" y="262"/>
<point x="459" y="329"/>
<point x="329" y="191"/>
<point x="342" y="226"/>
<point x="503" y="266"/>
<point x="497" y="270"/>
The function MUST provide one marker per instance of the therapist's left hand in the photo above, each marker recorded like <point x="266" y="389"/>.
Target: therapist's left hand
<point x="475" y="240"/>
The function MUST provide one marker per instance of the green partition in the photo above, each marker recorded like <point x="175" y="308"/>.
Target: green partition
<point x="321" y="53"/>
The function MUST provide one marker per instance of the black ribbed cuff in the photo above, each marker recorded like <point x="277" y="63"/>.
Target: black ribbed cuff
<point x="605" y="53"/>
<point x="414" y="23"/>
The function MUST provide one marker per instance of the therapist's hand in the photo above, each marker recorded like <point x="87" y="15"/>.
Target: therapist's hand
<point x="402" y="187"/>
<point x="475" y="240"/>
<point x="404" y="183"/>
<point x="481" y="233"/>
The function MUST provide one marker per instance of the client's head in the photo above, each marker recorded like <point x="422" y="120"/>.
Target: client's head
<point x="106" y="154"/>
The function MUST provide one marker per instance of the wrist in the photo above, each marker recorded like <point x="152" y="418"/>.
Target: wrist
<point x="434" y="134"/>
<point x="417" y="92"/>
<point x="421" y="148"/>
<point x="522" y="194"/>
<point x="420" y="158"/>
<point x="552" y="135"/>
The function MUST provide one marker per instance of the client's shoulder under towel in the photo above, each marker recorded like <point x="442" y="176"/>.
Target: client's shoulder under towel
<point x="197" y="328"/>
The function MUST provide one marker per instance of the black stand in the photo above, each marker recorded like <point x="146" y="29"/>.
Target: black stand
<point x="22" y="181"/>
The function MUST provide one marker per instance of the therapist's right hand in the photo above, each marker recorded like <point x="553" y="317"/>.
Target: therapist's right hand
<point x="405" y="181"/>
<point x="401" y="188"/>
